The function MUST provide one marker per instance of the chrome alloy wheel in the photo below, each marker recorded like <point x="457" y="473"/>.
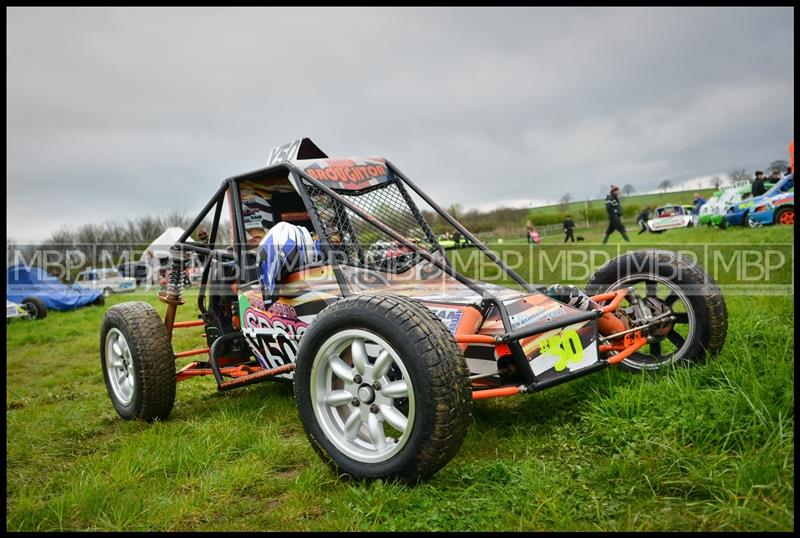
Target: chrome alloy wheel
<point x="119" y="366"/>
<point x="362" y="396"/>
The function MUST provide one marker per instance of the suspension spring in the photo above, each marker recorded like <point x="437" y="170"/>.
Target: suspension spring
<point x="175" y="280"/>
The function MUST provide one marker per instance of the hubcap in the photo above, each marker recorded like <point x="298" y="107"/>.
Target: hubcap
<point x="366" y="424"/>
<point x="119" y="366"/>
<point x="672" y="340"/>
<point x="366" y="395"/>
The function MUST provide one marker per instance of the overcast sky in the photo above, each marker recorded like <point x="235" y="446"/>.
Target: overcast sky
<point x="112" y="113"/>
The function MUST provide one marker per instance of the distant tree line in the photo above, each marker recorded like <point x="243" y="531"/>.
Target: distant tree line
<point x="114" y="237"/>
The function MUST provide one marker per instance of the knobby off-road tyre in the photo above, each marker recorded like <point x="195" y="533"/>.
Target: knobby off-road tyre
<point x="36" y="307"/>
<point x="396" y="407"/>
<point x="682" y="286"/>
<point x="138" y="362"/>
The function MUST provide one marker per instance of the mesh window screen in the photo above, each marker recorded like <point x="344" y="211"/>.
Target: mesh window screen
<point x="357" y="242"/>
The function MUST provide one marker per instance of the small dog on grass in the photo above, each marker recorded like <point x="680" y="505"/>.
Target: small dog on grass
<point x="579" y="238"/>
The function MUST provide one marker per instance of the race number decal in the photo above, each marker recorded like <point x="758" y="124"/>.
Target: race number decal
<point x="568" y="350"/>
<point x="285" y="152"/>
<point x="566" y="346"/>
<point x="274" y="340"/>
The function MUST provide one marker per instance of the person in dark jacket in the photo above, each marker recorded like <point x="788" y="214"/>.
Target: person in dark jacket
<point x="614" y="210"/>
<point x="642" y="218"/>
<point x="568" y="227"/>
<point x="699" y="202"/>
<point x="758" y="187"/>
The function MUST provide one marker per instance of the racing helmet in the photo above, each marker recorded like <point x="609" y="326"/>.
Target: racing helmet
<point x="285" y="248"/>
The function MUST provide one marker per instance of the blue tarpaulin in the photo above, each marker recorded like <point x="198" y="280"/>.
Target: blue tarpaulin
<point x="24" y="282"/>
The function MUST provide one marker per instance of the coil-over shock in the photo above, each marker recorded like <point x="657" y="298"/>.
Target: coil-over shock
<point x="173" y="296"/>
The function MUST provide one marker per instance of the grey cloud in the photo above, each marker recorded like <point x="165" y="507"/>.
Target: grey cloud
<point x="117" y="112"/>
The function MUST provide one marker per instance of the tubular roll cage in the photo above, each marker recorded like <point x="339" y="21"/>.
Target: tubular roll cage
<point x="505" y="344"/>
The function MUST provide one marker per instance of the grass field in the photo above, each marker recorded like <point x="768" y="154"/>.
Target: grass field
<point x="654" y="199"/>
<point x="509" y="222"/>
<point x="703" y="448"/>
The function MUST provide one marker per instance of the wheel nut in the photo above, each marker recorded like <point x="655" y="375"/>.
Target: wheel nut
<point x="355" y="401"/>
<point x="373" y="408"/>
<point x="376" y="386"/>
<point x="357" y="379"/>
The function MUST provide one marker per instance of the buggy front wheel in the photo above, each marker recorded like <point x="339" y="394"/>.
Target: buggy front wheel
<point x="382" y="389"/>
<point x="138" y="362"/>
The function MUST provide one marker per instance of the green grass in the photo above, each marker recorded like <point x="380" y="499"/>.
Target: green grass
<point x="703" y="448"/>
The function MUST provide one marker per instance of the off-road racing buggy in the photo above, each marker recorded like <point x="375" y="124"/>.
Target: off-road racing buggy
<point x="335" y="281"/>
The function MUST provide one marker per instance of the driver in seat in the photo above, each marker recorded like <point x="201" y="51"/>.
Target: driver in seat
<point x="285" y="249"/>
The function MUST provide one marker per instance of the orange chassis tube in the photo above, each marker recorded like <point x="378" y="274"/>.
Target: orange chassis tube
<point x="625" y="346"/>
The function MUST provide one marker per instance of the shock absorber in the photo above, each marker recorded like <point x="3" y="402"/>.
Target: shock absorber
<point x="175" y="279"/>
<point x="173" y="296"/>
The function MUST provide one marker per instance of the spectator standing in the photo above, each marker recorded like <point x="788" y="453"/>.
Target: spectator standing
<point x="568" y="228"/>
<point x="457" y="238"/>
<point x="698" y="203"/>
<point x="528" y="229"/>
<point x="758" y="187"/>
<point x="614" y="210"/>
<point x="642" y="218"/>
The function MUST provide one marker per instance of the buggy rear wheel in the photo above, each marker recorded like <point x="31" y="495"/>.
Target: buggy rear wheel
<point x="673" y="285"/>
<point x="137" y="361"/>
<point x="382" y="389"/>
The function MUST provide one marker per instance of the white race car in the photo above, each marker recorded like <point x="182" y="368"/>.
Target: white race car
<point x="672" y="216"/>
<point x="31" y="308"/>
<point x="109" y="280"/>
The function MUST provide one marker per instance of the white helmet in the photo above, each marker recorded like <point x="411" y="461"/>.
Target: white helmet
<point x="284" y="249"/>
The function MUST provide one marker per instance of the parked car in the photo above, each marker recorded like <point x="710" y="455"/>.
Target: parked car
<point x="25" y="282"/>
<point x="671" y="216"/>
<point x="776" y="209"/>
<point x="109" y="281"/>
<point x="712" y="213"/>
<point x="137" y="270"/>
<point x="738" y="213"/>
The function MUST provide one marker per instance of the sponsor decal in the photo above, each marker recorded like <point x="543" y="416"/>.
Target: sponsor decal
<point x="451" y="317"/>
<point x="349" y="175"/>
<point x="294" y="216"/>
<point x="274" y="340"/>
<point x="524" y="318"/>
<point x="284" y="310"/>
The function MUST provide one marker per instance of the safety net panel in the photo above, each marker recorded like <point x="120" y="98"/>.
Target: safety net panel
<point x="357" y="242"/>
